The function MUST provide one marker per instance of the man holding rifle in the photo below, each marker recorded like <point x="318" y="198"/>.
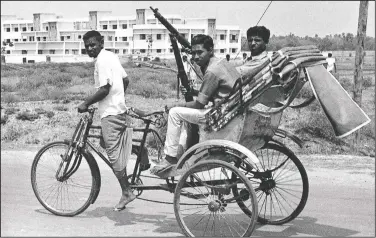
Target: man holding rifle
<point x="219" y="79"/>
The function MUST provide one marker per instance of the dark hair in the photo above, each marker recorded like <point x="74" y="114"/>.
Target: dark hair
<point x="261" y="31"/>
<point x="330" y="54"/>
<point x="245" y="54"/>
<point x="184" y="56"/>
<point x="93" y="33"/>
<point x="227" y="55"/>
<point x="206" y="40"/>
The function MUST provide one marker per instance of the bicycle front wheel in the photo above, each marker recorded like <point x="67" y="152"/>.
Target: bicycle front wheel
<point x="62" y="197"/>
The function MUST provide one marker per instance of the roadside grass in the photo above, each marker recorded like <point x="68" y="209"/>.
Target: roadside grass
<point x="52" y="92"/>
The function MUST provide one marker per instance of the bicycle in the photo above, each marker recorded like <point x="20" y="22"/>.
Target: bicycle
<point x="66" y="179"/>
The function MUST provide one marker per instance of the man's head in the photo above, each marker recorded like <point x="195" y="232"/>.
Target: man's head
<point x="258" y="38"/>
<point x="202" y="49"/>
<point x="184" y="58"/>
<point x="244" y="55"/>
<point x="94" y="42"/>
<point x="228" y="57"/>
<point x="330" y="55"/>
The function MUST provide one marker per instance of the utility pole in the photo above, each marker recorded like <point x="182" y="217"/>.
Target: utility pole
<point x="359" y="59"/>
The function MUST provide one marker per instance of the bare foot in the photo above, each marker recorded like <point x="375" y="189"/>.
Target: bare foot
<point x="126" y="198"/>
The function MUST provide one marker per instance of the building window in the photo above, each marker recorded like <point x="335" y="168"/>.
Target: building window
<point x="67" y="52"/>
<point x="104" y="27"/>
<point x="159" y="36"/>
<point x="159" y="51"/>
<point x="233" y="50"/>
<point x="16" y="29"/>
<point x="8" y="29"/>
<point x="115" y="38"/>
<point x="83" y="51"/>
<point x="31" y="28"/>
<point x="124" y="51"/>
<point x="24" y="39"/>
<point x="40" y="52"/>
<point x="171" y="50"/>
<point x="109" y="38"/>
<point x="68" y="37"/>
<point x="15" y="40"/>
<point x="116" y="51"/>
<point x="142" y="51"/>
<point x="124" y="38"/>
<point x="124" y="26"/>
<point x="38" y="38"/>
<point x="62" y="38"/>
<point x="79" y="36"/>
<point x="233" y="37"/>
<point x="142" y="37"/>
<point x="24" y="52"/>
<point x="44" y="38"/>
<point x="75" y="52"/>
<point x="8" y="52"/>
<point x="52" y="52"/>
<point x="46" y="28"/>
<point x="222" y="50"/>
<point x="222" y="37"/>
<point x="114" y="27"/>
<point x="23" y="28"/>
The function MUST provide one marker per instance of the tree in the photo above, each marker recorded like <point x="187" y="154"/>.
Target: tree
<point x="5" y="45"/>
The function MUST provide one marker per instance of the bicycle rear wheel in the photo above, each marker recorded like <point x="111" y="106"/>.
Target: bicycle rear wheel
<point x="204" y="204"/>
<point x="281" y="185"/>
<point x="63" y="197"/>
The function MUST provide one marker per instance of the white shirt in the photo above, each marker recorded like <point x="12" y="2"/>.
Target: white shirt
<point x="108" y="70"/>
<point x="331" y="61"/>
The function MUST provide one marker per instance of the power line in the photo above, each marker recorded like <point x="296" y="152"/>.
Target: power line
<point x="264" y="13"/>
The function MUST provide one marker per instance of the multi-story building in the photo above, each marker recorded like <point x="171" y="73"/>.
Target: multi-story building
<point x="49" y="34"/>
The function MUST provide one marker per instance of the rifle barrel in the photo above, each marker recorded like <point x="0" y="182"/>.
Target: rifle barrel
<point x="172" y="29"/>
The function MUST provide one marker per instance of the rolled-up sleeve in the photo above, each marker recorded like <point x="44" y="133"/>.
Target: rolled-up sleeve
<point x="209" y="86"/>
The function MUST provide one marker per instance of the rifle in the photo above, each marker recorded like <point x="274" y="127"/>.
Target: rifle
<point x="176" y="36"/>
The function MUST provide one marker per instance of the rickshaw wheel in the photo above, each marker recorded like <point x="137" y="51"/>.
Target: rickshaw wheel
<point x="205" y="205"/>
<point x="281" y="185"/>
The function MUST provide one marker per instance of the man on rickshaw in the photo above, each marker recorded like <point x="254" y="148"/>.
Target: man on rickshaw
<point x="219" y="79"/>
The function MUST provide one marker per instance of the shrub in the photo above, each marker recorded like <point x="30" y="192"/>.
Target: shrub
<point x="40" y="111"/>
<point x="4" y="119"/>
<point x="368" y="82"/>
<point x="11" y="110"/>
<point x="27" y="116"/>
<point x="60" y="108"/>
<point x="50" y="114"/>
<point x="11" y="133"/>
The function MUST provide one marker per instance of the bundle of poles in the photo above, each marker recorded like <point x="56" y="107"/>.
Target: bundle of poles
<point x="279" y="68"/>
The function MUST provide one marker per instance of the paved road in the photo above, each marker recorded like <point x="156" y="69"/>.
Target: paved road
<point x="341" y="203"/>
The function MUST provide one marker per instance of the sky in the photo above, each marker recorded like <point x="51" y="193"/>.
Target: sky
<point x="301" y="18"/>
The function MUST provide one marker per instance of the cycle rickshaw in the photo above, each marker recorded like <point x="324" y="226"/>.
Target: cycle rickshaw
<point x="237" y="174"/>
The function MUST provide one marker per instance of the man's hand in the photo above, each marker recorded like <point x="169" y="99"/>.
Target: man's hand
<point x="82" y="108"/>
<point x="183" y="90"/>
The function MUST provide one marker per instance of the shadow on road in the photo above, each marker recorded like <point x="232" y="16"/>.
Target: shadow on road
<point x="125" y="218"/>
<point x="302" y="226"/>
